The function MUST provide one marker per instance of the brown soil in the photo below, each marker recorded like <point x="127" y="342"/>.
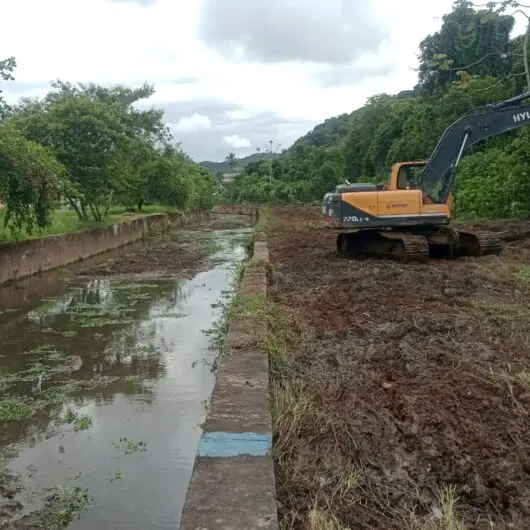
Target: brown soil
<point x="417" y="378"/>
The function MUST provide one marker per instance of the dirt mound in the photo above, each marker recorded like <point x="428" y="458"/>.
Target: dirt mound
<point x="416" y="384"/>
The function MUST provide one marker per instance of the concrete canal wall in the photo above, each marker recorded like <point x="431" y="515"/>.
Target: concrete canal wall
<point x="25" y="258"/>
<point x="232" y="484"/>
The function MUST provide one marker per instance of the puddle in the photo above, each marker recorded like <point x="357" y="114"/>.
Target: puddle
<point x="127" y="372"/>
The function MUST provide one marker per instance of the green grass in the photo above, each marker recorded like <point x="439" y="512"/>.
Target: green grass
<point x="146" y="209"/>
<point x="261" y="230"/>
<point x="524" y="274"/>
<point x="66" y="221"/>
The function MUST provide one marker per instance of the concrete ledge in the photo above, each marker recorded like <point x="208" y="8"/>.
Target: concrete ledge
<point x="233" y="484"/>
<point x="26" y="258"/>
<point x="231" y="493"/>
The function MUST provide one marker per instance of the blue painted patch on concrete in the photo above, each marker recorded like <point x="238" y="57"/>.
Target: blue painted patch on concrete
<point x="227" y="444"/>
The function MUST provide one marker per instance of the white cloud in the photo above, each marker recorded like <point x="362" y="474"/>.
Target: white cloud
<point x="236" y="141"/>
<point x="333" y="31"/>
<point x="239" y="115"/>
<point x="87" y="40"/>
<point x="193" y="123"/>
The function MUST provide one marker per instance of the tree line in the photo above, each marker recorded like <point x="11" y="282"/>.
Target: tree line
<point x="89" y="147"/>
<point x="469" y="62"/>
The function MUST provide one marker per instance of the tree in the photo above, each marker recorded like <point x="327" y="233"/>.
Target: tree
<point x="475" y="41"/>
<point x="501" y="7"/>
<point x="7" y="66"/>
<point x="99" y="137"/>
<point x="29" y="179"/>
<point x="91" y="145"/>
<point x="231" y="159"/>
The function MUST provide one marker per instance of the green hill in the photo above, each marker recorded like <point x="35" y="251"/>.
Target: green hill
<point x="241" y="162"/>
<point x="334" y="131"/>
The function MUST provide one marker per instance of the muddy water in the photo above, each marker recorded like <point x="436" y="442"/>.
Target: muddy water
<point x="128" y="370"/>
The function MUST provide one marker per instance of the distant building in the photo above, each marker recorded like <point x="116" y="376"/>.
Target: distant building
<point x="229" y="177"/>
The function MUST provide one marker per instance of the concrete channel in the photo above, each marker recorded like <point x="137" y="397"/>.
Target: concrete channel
<point x="126" y="341"/>
<point x="233" y="484"/>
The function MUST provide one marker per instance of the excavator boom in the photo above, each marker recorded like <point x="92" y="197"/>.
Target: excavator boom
<point x="480" y="124"/>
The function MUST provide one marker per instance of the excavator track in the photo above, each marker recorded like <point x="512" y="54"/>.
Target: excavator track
<point x="478" y="243"/>
<point x="366" y="244"/>
<point x="403" y="246"/>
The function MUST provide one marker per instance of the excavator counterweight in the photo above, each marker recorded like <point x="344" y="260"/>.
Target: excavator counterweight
<point x="409" y="218"/>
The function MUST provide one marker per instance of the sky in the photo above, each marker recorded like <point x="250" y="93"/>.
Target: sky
<point x="231" y="75"/>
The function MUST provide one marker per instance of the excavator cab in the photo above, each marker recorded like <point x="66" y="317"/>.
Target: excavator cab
<point x="406" y="175"/>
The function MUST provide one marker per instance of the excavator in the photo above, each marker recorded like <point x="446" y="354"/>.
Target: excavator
<point x="408" y="218"/>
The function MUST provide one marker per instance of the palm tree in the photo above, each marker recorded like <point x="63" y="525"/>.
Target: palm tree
<point x="231" y="159"/>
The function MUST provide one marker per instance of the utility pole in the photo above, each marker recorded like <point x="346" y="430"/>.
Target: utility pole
<point x="271" y="149"/>
<point x="270" y="161"/>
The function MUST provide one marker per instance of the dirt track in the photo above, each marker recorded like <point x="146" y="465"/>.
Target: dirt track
<point x="416" y="385"/>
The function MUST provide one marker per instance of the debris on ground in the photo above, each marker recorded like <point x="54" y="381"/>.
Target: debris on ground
<point x="405" y="401"/>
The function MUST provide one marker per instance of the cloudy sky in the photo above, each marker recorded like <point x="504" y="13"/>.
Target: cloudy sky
<point x="230" y="74"/>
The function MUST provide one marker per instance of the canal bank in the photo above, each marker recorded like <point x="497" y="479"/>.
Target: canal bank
<point x="22" y="259"/>
<point x="233" y="484"/>
<point x="129" y="365"/>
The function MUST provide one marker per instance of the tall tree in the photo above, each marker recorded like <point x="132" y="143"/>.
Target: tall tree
<point x="29" y="179"/>
<point x="475" y="41"/>
<point x="7" y="66"/>
<point x="99" y="136"/>
<point x="231" y="159"/>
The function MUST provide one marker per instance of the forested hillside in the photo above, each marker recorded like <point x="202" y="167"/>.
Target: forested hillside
<point x="237" y="163"/>
<point x="470" y="62"/>
<point x="88" y="147"/>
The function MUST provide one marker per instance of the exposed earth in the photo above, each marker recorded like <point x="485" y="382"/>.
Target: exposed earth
<point x="409" y="407"/>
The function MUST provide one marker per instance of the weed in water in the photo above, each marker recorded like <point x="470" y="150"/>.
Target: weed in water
<point x="63" y="506"/>
<point x="79" y="421"/>
<point x="220" y="326"/>
<point x="117" y="476"/>
<point x="14" y="409"/>
<point x="131" y="446"/>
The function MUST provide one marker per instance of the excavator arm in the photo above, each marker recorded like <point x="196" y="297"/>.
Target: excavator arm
<point x="438" y="176"/>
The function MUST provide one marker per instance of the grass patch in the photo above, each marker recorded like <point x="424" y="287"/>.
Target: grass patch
<point x="62" y="222"/>
<point x="523" y="274"/>
<point x="146" y="209"/>
<point x="261" y="230"/>
<point x="279" y="321"/>
<point x="66" y="221"/>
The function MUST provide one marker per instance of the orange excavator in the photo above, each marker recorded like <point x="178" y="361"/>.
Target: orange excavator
<point x="409" y="217"/>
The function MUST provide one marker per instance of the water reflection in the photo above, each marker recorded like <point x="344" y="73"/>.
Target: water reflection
<point x="127" y="353"/>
